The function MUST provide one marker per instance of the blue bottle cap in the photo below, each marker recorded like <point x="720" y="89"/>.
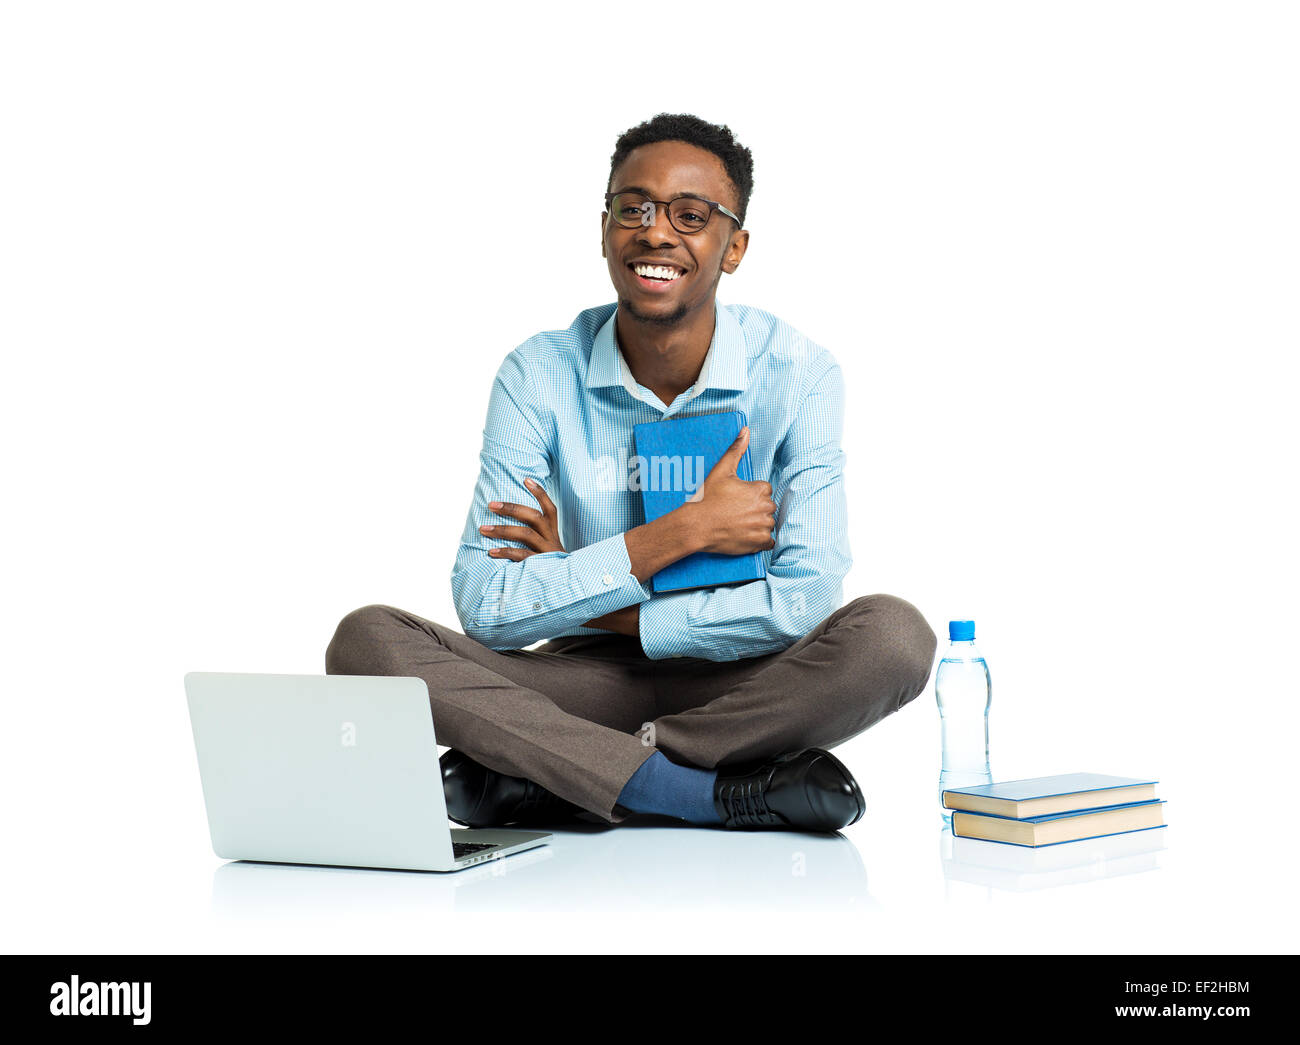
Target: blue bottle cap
<point x="961" y="630"/>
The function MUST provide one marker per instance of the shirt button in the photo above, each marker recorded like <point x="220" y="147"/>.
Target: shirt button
<point x="608" y="579"/>
<point x="537" y="605"/>
<point x="676" y="654"/>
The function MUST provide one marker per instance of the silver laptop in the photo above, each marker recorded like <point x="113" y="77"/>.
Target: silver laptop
<point x="329" y="769"/>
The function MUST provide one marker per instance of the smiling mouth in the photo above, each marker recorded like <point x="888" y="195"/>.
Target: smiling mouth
<point x="657" y="273"/>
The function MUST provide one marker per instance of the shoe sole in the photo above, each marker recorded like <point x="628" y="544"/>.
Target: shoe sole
<point x="858" y="796"/>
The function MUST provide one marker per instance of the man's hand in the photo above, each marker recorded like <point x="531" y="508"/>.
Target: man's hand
<point x="732" y="515"/>
<point x="541" y="532"/>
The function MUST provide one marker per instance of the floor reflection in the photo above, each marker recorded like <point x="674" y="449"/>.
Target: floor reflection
<point x="1020" y="869"/>
<point x="644" y="864"/>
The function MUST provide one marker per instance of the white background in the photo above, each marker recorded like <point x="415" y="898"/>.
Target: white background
<point x="257" y="275"/>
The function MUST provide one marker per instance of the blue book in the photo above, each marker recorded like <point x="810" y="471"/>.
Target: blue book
<point x="677" y="455"/>
<point x="1039" y="796"/>
<point x="1059" y="828"/>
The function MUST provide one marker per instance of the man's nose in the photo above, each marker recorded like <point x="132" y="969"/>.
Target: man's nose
<point x="660" y="228"/>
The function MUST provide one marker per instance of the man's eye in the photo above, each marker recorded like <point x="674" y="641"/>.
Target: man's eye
<point x="691" y="217"/>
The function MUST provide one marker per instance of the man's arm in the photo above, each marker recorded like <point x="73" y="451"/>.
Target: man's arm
<point x="804" y="582"/>
<point x="727" y="514"/>
<point x="505" y="604"/>
<point x="626" y="621"/>
<point x="650" y="547"/>
<point x="508" y="597"/>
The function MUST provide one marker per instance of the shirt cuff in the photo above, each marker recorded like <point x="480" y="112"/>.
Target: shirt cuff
<point x="665" y="625"/>
<point x="604" y="569"/>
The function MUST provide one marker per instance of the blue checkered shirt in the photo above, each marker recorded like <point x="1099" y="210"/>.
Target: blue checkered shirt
<point x="561" y="412"/>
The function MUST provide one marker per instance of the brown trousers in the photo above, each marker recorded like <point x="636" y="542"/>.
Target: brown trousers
<point x="579" y="714"/>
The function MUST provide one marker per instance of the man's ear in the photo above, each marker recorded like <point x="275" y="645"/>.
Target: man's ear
<point x="604" y="217"/>
<point x="735" y="251"/>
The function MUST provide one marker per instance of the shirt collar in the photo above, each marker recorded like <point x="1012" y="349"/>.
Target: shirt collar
<point x="725" y="364"/>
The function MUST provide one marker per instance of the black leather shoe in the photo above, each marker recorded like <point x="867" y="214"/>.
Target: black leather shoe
<point x="482" y="797"/>
<point x="809" y="791"/>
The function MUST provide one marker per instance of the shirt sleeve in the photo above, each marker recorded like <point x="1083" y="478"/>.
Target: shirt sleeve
<point x="806" y="569"/>
<point x="509" y="605"/>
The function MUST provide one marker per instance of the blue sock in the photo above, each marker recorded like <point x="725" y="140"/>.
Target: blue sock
<point x="664" y="787"/>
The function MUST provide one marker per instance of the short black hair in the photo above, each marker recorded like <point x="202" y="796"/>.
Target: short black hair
<point x="683" y="127"/>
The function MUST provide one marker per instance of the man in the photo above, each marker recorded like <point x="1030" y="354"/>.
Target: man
<point x="713" y="705"/>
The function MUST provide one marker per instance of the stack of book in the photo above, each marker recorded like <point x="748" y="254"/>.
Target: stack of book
<point x="1055" y="809"/>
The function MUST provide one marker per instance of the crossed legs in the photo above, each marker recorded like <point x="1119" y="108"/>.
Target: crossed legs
<point x="579" y="715"/>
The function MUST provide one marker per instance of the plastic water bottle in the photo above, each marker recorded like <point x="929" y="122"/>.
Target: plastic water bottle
<point x="963" y="689"/>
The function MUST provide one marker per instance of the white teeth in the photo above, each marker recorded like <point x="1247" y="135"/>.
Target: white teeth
<point x="656" y="271"/>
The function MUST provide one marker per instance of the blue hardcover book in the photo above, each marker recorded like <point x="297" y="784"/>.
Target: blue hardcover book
<point x="1058" y="828"/>
<point x="676" y="455"/>
<point x="1039" y="796"/>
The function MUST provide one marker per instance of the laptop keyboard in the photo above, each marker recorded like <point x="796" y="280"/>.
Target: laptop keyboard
<point x="459" y="849"/>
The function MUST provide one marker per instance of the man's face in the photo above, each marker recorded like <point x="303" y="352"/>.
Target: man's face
<point x="663" y="171"/>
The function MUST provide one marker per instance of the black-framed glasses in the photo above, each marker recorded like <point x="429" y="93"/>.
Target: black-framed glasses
<point x="687" y="214"/>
